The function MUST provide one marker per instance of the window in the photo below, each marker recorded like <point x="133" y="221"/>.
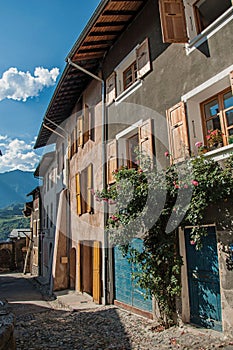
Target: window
<point x="134" y="67"/>
<point x="207" y="11"/>
<point x="132" y="144"/>
<point x="88" y="124"/>
<point x="217" y="114"/>
<point x="84" y="185"/>
<point x="130" y="75"/>
<point x="121" y="151"/>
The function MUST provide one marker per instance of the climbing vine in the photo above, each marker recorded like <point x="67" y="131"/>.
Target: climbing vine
<point x="152" y="204"/>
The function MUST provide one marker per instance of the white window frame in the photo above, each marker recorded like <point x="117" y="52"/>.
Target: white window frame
<point x="195" y="39"/>
<point x="122" y="137"/>
<point x="194" y="98"/>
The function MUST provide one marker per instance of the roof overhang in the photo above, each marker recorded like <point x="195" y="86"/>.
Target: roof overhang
<point x="108" y="22"/>
<point x="44" y="164"/>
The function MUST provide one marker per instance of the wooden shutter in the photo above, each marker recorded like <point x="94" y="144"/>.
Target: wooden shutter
<point x="96" y="272"/>
<point x="78" y="194"/>
<point x="178" y="132"/>
<point x="80" y="131"/>
<point x="111" y="88"/>
<point x="231" y="79"/>
<point x="143" y="59"/>
<point x="111" y="160"/>
<point x="86" y="124"/>
<point x="145" y="134"/>
<point x="78" y="272"/>
<point x="173" y="21"/>
<point x="89" y="188"/>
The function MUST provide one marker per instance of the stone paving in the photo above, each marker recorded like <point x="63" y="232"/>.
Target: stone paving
<point x="104" y="327"/>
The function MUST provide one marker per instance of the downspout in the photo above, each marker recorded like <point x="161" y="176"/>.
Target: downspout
<point x="103" y="158"/>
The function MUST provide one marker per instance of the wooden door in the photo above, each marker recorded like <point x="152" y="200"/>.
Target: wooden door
<point x="203" y="280"/>
<point x="97" y="272"/>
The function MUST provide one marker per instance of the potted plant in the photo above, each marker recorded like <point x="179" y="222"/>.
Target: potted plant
<point x="214" y="138"/>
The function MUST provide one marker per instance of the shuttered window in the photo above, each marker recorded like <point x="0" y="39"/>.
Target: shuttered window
<point x="173" y="21"/>
<point x="145" y="133"/>
<point x="111" y="88"/>
<point x="80" y="131"/>
<point x="89" y="188"/>
<point x="178" y="132"/>
<point x="73" y="142"/>
<point x="111" y="160"/>
<point x="78" y="194"/>
<point x="143" y="59"/>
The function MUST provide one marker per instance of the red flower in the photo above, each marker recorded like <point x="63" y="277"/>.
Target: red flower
<point x="195" y="183"/>
<point x="166" y="154"/>
<point x="192" y="242"/>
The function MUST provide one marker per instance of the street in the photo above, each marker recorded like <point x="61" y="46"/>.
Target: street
<point x="45" y="324"/>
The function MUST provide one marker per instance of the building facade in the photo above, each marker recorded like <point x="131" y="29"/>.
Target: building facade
<point x="152" y="74"/>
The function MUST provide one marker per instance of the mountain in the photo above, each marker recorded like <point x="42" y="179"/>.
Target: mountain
<point x="15" y="185"/>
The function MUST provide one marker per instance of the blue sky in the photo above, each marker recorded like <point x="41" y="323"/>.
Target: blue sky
<point x="35" y="38"/>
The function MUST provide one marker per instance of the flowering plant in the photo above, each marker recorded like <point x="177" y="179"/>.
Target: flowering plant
<point x="214" y="137"/>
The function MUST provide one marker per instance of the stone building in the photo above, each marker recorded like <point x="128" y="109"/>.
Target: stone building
<point x="153" y="74"/>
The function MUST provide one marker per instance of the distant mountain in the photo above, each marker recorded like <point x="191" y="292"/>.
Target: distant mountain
<point x="14" y="187"/>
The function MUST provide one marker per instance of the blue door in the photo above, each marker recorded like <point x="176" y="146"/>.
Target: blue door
<point x="126" y="289"/>
<point x="203" y="281"/>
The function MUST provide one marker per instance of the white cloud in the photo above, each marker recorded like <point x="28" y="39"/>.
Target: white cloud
<point x="17" y="85"/>
<point x="17" y="154"/>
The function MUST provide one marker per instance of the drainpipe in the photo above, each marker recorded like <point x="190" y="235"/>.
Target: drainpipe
<point x="103" y="155"/>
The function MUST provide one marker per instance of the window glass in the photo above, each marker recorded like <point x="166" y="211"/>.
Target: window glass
<point x="228" y="100"/>
<point x="211" y="108"/>
<point x="229" y="116"/>
<point x="130" y="75"/>
<point x="213" y="124"/>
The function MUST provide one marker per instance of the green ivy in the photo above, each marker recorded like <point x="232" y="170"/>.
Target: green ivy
<point x="182" y="193"/>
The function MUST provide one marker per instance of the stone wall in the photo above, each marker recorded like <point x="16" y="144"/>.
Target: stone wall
<point x="7" y="339"/>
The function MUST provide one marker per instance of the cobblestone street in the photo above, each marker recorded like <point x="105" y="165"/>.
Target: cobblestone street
<point x="44" y="323"/>
<point x="105" y="328"/>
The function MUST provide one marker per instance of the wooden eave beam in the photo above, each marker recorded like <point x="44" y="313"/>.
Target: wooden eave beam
<point x="119" y="13"/>
<point x="110" y="24"/>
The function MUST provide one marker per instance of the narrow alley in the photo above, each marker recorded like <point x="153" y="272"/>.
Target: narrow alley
<point x="44" y="323"/>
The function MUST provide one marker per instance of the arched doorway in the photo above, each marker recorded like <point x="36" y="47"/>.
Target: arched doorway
<point x="73" y="268"/>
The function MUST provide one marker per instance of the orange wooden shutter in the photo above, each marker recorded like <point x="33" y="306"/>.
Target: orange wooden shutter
<point x="80" y="131"/>
<point x="111" y="88"/>
<point x="78" y="194"/>
<point x="178" y="132"/>
<point x="173" y="21"/>
<point x="78" y="273"/>
<point x="96" y="272"/>
<point x="145" y="134"/>
<point x="231" y="79"/>
<point x="143" y="59"/>
<point x="111" y="160"/>
<point x="89" y="188"/>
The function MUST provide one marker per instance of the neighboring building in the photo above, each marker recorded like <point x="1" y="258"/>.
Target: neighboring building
<point x="47" y="172"/>
<point x="34" y="247"/>
<point x="13" y="251"/>
<point x="167" y="72"/>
